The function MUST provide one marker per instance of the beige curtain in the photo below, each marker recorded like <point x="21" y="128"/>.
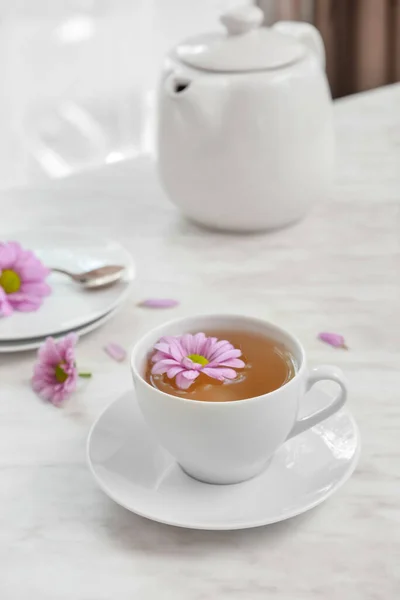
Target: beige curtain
<point x="362" y="38"/>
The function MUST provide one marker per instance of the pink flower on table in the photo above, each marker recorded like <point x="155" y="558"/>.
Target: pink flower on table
<point x="185" y="357"/>
<point x="22" y="279"/>
<point x="55" y="374"/>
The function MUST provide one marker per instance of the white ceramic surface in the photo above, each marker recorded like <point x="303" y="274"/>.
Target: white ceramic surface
<point x="229" y="442"/>
<point x="34" y="343"/>
<point x="247" y="149"/>
<point x="135" y="471"/>
<point x="62" y="538"/>
<point x="70" y="305"/>
<point x="244" y="46"/>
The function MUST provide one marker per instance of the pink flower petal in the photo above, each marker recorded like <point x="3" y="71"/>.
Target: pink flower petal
<point x="187" y="341"/>
<point x="115" y="351"/>
<point x="67" y="345"/>
<point x="8" y="255"/>
<point x="234" y="363"/>
<point x="166" y="339"/>
<point x="227" y="355"/>
<point x="159" y="356"/>
<point x="33" y="272"/>
<point x="36" y="288"/>
<point x="220" y="373"/>
<point x="191" y="375"/>
<point x="159" y="303"/>
<point x="333" y="339"/>
<point x="176" y="350"/>
<point x="188" y="363"/>
<point x="173" y="372"/>
<point x="27" y="304"/>
<point x="219" y="347"/>
<point x="5" y="307"/>
<point x="161" y="367"/>
<point x="182" y="382"/>
<point x="213" y="373"/>
<point x="199" y="342"/>
<point x="162" y="347"/>
<point x="209" y="347"/>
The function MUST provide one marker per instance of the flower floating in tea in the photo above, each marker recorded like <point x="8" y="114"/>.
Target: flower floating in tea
<point x="22" y="279"/>
<point x="184" y="357"/>
<point x="55" y="374"/>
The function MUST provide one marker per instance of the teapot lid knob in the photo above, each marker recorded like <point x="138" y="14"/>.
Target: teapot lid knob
<point x="247" y="46"/>
<point x="242" y="19"/>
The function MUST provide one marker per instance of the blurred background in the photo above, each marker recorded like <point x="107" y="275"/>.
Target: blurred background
<point x="362" y="38"/>
<point x="79" y="76"/>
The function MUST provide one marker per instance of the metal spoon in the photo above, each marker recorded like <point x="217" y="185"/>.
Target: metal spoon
<point x="96" y="278"/>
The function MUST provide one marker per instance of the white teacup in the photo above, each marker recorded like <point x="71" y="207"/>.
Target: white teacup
<point x="229" y="442"/>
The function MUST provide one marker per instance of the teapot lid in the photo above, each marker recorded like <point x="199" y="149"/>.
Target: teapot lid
<point x="245" y="47"/>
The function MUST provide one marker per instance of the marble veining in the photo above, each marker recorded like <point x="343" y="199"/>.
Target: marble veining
<point x="62" y="538"/>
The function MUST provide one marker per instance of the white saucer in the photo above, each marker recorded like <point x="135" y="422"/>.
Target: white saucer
<point x="32" y="344"/>
<point x="131" y="467"/>
<point x="69" y="306"/>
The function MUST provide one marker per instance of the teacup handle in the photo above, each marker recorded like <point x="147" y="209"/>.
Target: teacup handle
<point x="322" y="373"/>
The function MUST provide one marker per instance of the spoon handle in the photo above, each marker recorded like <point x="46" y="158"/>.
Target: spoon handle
<point x="62" y="271"/>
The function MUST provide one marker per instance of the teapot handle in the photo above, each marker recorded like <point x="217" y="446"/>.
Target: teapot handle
<point x="305" y="33"/>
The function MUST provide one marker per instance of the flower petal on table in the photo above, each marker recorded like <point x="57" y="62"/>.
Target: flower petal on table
<point x="333" y="339"/>
<point x="159" y="303"/>
<point x="115" y="351"/>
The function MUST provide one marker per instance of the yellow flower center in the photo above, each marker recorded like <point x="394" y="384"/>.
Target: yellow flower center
<point x="198" y="358"/>
<point x="60" y="374"/>
<point x="10" y="281"/>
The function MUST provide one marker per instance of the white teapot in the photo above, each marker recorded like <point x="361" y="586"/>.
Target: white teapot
<point x="245" y="133"/>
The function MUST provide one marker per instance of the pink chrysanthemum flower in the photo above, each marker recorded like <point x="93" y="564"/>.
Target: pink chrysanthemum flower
<point x="55" y="374"/>
<point x="186" y="356"/>
<point x="22" y="279"/>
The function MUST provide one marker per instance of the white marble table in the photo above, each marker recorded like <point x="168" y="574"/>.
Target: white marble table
<point x="339" y="270"/>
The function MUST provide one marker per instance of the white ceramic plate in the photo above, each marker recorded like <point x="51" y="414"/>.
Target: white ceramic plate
<point x="136" y="472"/>
<point x="69" y="306"/>
<point x="32" y="344"/>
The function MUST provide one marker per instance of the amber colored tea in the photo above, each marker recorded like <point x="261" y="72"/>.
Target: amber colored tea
<point x="268" y="366"/>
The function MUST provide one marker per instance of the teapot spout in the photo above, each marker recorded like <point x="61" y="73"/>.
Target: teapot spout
<point x="194" y="100"/>
<point x="177" y="85"/>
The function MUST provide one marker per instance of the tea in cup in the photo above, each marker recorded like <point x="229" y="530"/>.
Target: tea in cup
<point x="222" y="392"/>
